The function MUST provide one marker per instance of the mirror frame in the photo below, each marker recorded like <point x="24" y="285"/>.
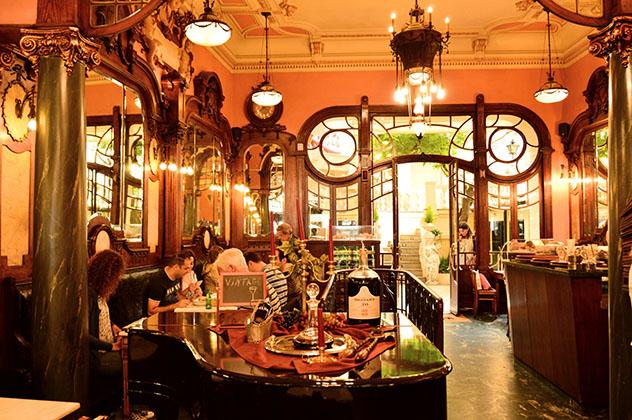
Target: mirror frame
<point x="574" y="138"/>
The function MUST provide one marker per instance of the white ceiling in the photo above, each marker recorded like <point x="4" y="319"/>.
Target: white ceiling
<point x="337" y="34"/>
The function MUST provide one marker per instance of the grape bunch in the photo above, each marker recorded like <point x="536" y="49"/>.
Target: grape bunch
<point x="289" y="318"/>
<point x="334" y="320"/>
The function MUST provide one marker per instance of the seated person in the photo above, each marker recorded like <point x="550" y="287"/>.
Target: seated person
<point x="104" y="275"/>
<point x="163" y="292"/>
<point x="190" y="285"/>
<point x="274" y="278"/>
<point x="209" y="273"/>
<point x="232" y="261"/>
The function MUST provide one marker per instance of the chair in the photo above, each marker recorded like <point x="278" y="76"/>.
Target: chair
<point x="482" y="294"/>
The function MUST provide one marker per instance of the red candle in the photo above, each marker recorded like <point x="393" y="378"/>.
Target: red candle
<point x="331" y="241"/>
<point x="301" y="232"/>
<point x="321" y="328"/>
<point x="272" y="245"/>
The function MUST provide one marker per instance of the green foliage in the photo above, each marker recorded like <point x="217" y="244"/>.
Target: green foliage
<point x="386" y="146"/>
<point x="436" y="232"/>
<point x="429" y="216"/>
<point x="376" y="215"/>
<point x="315" y="266"/>
<point x="444" y="265"/>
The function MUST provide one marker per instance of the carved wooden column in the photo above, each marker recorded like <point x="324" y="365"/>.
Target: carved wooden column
<point x="60" y="318"/>
<point x="481" y="211"/>
<point x="173" y="135"/>
<point x="615" y="43"/>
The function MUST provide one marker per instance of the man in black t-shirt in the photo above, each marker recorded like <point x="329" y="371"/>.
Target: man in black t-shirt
<point x="163" y="290"/>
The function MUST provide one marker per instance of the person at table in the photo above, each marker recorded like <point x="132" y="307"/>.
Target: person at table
<point x="106" y="367"/>
<point x="163" y="292"/>
<point x="232" y="261"/>
<point x="209" y="273"/>
<point x="274" y="278"/>
<point x="190" y="285"/>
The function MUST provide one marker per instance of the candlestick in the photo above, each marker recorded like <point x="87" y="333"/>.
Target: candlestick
<point x="299" y="213"/>
<point x="272" y="244"/>
<point x="331" y="241"/>
<point x="321" y="328"/>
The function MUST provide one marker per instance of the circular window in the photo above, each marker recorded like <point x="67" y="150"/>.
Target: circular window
<point x="338" y="147"/>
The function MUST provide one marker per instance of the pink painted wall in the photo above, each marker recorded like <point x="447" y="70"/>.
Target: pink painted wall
<point x="305" y="93"/>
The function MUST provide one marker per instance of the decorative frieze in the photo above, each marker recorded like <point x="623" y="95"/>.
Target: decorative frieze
<point x="615" y="38"/>
<point x="67" y="43"/>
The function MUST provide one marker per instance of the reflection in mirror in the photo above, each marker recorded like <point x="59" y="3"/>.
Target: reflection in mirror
<point x="115" y="152"/>
<point x="203" y="173"/>
<point x="263" y="171"/>
<point x="601" y="163"/>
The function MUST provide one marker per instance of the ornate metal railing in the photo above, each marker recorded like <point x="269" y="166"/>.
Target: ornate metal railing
<point x="403" y="291"/>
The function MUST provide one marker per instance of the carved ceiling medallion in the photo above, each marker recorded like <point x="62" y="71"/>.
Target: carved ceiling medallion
<point x="67" y="43"/>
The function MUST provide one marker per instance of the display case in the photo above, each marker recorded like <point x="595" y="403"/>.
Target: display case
<point x="353" y="233"/>
<point x="347" y="251"/>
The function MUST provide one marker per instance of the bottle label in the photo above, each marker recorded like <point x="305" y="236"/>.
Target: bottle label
<point x="364" y="305"/>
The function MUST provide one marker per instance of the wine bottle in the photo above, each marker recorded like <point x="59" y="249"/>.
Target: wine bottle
<point x="364" y="293"/>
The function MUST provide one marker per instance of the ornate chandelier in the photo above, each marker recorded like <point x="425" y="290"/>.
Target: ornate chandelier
<point x="415" y="48"/>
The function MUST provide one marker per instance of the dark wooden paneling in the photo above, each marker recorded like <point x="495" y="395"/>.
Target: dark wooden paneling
<point x="560" y="330"/>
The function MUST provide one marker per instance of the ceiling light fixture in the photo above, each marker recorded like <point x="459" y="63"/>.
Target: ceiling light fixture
<point x="551" y="91"/>
<point x="208" y="30"/>
<point x="415" y="48"/>
<point x="265" y="94"/>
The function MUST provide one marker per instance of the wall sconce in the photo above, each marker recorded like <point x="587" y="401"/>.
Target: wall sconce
<point x="570" y="175"/>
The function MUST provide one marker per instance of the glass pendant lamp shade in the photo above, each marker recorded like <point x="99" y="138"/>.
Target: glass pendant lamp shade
<point x="208" y="30"/>
<point x="551" y="91"/>
<point x="266" y="94"/>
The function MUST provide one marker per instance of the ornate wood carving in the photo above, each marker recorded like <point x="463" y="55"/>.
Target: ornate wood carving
<point x="67" y="43"/>
<point x="208" y="89"/>
<point x="17" y="103"/>
<point x="616" y="38"/>
<point x="135" y="256"/>
<point x="100" y="18"/>
<point x="596" y="95"/>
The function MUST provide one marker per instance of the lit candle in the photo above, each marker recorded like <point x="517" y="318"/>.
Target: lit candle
<point x="430" y="15"/>
<point x="272" y="245"/>
<point x="321" y="328"/>
<point x="447" y="24"/>
<point x="299" y="214"/>
<point x="331" y="240"/>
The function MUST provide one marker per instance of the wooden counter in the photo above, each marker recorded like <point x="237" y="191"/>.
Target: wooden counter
<point x="559" y="327"/>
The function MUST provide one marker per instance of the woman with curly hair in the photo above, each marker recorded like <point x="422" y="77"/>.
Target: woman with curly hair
<point x="104" y="274"/>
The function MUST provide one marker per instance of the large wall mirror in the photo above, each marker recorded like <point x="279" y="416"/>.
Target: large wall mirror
<point x="265" y="194"/>
<point x="586" y="147"/>
<point x="115" y="153"/>
<point x="203" y="174"/>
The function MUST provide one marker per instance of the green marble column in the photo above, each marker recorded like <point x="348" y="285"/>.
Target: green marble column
<point x="619" y="195"/>
<point x="60" y="319"/>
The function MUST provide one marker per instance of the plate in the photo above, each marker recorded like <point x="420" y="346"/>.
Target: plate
<point x="201" y="301"/>
<point x="285" y="345"/>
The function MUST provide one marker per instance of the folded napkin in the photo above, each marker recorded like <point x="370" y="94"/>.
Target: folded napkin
<point x="256" y="354"/>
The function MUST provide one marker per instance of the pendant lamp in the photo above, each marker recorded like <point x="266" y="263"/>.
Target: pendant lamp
<point x="208" y="30"/>
<point x="266" y="94"/>
<point x="551" y="91"/>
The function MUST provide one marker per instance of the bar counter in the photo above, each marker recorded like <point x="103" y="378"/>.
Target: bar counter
<point x="411" y="374"/>
<point x="559" y="327"/>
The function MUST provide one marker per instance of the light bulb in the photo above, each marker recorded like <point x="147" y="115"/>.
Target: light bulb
<point x="172" y="167"/>
<point x="418" y="109"/>
<point x="417" y="127"/>
<point x="32" y="124"/>
<point x="441" y="93"/>
<point x="400" y="94"/>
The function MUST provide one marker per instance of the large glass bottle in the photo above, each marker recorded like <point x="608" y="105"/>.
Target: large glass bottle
<point x="364" y="294"/>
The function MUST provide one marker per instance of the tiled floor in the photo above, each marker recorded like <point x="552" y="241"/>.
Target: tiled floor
<point x="488" y="383"/>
